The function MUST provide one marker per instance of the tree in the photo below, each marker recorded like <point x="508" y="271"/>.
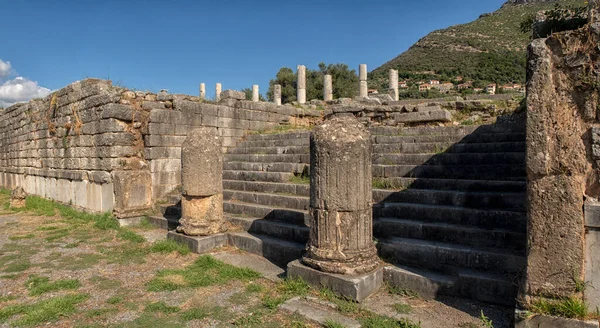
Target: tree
<point x="345" y="82"/>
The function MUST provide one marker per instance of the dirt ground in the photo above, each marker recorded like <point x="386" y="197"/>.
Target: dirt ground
<point x="74" y="271"/>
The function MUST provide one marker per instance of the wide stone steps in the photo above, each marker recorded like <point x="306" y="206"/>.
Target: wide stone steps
<point x="268" y="187"/>
<point x="257" y="176"/>
<point x="291" y="216"/>
<point x="448" y="258"/>
<point x="401" y="183"/>
<point x="449" y="147"/>
<point x="268" y="158"/>
<point x="457" y="138"/>
<point x="512" y="242"/>
<point x="267" y="199"/>
<point x="276" y="250"/>
<point x="282" y="230"/>
<point x="450" y="159"/>
<point x="504" y="172"/>
<point x="265" y="167"/>
<point x="270" y="150"/>
<point x="480" y="200"/>
<point x="486" y="219"/>
<point x="447" y="130"/>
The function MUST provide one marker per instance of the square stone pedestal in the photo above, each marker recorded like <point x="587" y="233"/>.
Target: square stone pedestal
<point x="199" y="244"/>
<point x="356" y="287"/>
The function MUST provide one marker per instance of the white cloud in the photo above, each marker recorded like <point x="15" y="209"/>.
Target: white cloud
<point x="5" y="68"/>
<point x="20" y="89"/>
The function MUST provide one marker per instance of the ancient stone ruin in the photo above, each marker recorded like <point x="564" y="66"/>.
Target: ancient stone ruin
<point x="502" y="210"/>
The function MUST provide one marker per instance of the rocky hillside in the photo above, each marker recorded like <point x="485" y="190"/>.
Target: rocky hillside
<point x="489" y="49"/>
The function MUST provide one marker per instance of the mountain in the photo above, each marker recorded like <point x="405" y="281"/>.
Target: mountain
<point x="489" y="49"/>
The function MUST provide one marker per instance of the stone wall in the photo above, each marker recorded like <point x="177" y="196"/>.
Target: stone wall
<point x="563" y="110"/>
<point x="105" y="148"/>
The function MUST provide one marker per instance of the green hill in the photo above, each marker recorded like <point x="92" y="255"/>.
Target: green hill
<point x="489" y="49"/>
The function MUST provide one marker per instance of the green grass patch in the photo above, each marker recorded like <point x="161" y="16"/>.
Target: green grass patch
<point x="161" y="307"/>
<point x="18" y="265"/>
<point x="43" y="311"/>
<point x="115" y="300"/>
<point x="103" y="283"/>
<point x="9" y="276"/>
<point x="332" y="324"/>
<point x="216" y="312"/>
<point x="57" y="234"/>
<point x="344" y="305"/>
<point x="300" y="179"/>
<point x="7" y="298"/>
<point x="129" y="253"/>
<point x="293" y="287"/>
<point x="254" y="288"/>
<point x="568" y="307"/>
<point x="40" y="285"/>
<point x="95" y="313"/>
<point x="19" y="237"/>
<point x="129" y="235"/>
<point x="372" y="320"/>
<point x="79" y="261"/>
<point x="401" y="291"/>
<point x="205" y="271"/>
<point x="402" y="308"/>
<point x="169" y="246"/>
<point x="47" y="228"/>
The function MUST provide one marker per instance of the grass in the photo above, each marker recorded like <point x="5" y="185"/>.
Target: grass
<point x="205" y="271"/>
<point x="43" y="311"/>
<point x="113" y="300"/>
<point x="169" y="246"/>
<point x="7" y="298"/>
<point x="300" y="179"/>
<point x="19" y="237"/>
<point x="293" y="287"/>
<point x="402" y="308"/>
<point x="568" y="307"/>
<point x="18" y="265"/>
<point x="379" y="321"/>
<point x="332" y="324"/>
<point x="40" y="285"/>
<point x="344" y="305"/>
<point x="161" y="307"/>
<point x="401" y="291"/>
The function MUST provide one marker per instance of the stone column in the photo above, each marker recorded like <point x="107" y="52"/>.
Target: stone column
<point x="341" y="222"/>
<point x="201" y="178"/>
<point x="255" y="96"/>
<point x="277" y="94"/>
<point x="218" y="89"/>
<point x="202" y="91"/>
<point x="362" y="81"/>
<point x="301" y="93"/>
<point x="394" y="84"/>
<point x="327" y="88"/>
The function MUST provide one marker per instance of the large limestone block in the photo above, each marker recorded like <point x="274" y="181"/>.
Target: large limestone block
<point x="132" y="193"/>
<point x="201" y="215"/>
<point x="202" y="163"/>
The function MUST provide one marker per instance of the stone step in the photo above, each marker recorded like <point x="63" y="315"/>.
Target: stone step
<point x="266" y="199"/>
<point x="257" y="176"/>
<point x="266" y="167"/>
<point x="450" y="159"/>
<point x="470" y="172"/>
<point x="447" y="130"/>
<point x="457" y="138"/>
<point x="448" y="258"/>
<point x="162" y="222"/>
<point x="448" y="147"/>
<point x="270" y="150"/>
<point x="276" y="142"/>
<point x="276" y="250"/>
<point x="268" y="187"/>
<point x="170" y="210"/>
<point x="477" y="285"/>
<point x="455" y="184"/>
<point x="487" y="219"/>
<point x="302" y="134"/>
<point x="469" y="199"/>
<point x="282" y="230"/>
<point x="238" y="208"/>
<point x="268" y="158"/>
<point x="512" y="242"/>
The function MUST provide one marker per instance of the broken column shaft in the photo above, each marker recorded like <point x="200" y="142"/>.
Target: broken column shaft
<point x="255" y="96"/>
<point x="393" y="81"/>
<point x="201" y="177"/>
<point x="202" y="91"/>
<point x="277" y="94"/>
<point x="327" y="88"/>
<point x="301" y="93"/>
<point x="341" y="229"/>
<point x="362" y="81"/>
<point x="218" y="89"/>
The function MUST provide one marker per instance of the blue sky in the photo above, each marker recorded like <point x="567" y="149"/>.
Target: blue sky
<point x="175" y="45"/>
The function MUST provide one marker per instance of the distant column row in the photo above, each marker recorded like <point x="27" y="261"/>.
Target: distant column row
<point x="327" y="86"/>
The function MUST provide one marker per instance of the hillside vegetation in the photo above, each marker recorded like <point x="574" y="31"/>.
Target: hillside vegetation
<point x="489" y="49"/>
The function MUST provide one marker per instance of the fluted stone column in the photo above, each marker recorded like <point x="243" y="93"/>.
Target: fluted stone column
<point x="277" y="94"/>
<point x="393" y="78"/>
<point x="201" y="178"/>
<point x="218" y="89"/>
<point x="327" y="88"/>
<point x="202" y="91"/>
<point x="341" y="226"/>
<point x="301" y="92"/>
<point x="362" y="80"/>
<point x="255" y="96"/>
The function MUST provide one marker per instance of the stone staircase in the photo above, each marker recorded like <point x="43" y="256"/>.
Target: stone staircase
<point x="451" y="219"/>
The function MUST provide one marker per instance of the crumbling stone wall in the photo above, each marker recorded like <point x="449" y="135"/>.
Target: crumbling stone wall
<point x="563" y="110"/>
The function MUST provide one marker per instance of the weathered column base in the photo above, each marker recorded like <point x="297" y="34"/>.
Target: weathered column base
<point x="201" y="216"/>
<point x="199" y="244"/>
<point x="356" y="287"/>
